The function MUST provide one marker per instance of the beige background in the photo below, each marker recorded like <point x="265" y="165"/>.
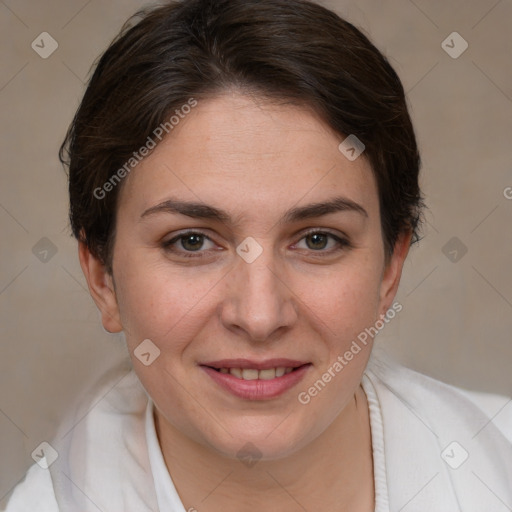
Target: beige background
<point x="456" y="322"/>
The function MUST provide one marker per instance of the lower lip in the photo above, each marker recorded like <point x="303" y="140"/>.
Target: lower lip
<point x="257" y="389"/>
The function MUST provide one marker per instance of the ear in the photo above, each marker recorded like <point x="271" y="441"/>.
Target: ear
<point x="101" y="288"/>
<point x="393" y="271"/>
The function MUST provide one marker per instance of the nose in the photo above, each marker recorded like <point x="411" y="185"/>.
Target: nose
<point x="258" y="300"/>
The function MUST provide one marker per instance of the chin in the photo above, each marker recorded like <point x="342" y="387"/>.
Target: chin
<point x="254" y="439"/>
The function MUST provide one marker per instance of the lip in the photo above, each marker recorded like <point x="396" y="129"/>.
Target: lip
<point x="257" y="365"/>
<point x="256" y="389"/>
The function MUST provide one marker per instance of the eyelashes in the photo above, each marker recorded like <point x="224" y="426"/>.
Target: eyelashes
<point x="319" y="235"/>
<point x="190" y="244"/>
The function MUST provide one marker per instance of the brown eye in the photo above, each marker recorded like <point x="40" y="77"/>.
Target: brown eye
<point x="189" y="244"/>
<point x="317" y="241"/>
<point x="322" y="241"/>
<point x="192" y="242"/>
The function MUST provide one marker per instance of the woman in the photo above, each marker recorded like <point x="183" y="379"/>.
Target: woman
<point x="244" y="191"/>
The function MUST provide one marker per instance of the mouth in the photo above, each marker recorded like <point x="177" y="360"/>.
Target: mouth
<point x="255" y="380"/>
<point x="255" y="374"/>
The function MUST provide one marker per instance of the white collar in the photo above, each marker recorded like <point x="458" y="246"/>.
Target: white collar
<point x="166" y="493"/>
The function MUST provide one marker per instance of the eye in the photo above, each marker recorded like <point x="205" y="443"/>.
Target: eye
<point x="194" y="244"/>
<point x="185" y="244"/>
<point x="322" y="241"/>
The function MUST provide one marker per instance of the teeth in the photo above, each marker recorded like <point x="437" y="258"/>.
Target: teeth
<point x="254" y="374"/>
<point x="237" y="372"/>
<point x="248" y="374"/>
<point x="280" y="371"/>
<point x="268" y="374"/>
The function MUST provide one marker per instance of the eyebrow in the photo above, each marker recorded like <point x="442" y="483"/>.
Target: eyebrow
<point x="204" y="211"/>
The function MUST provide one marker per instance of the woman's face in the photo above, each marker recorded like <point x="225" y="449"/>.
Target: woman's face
<point x="280" y="264"/>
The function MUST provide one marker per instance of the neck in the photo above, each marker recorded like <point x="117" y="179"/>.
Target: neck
<point x="333" y="473"/>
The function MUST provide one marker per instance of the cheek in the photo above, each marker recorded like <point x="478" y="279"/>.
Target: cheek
<point x="159" y="302"/>
<point x="344" y="301"/>
<point x="346" y="307"/>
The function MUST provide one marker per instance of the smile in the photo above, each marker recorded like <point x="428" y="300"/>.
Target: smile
<point x="255" y="374"/>
<point x="251" y="380"/>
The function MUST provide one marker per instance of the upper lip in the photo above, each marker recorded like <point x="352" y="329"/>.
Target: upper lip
<point x="258" y="365"/>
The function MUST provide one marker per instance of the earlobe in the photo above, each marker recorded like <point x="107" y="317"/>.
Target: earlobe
<point x="101" y="288"/>
<point x="393" y="271"/>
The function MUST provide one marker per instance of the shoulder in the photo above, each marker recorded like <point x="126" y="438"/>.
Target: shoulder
<point x="498" y="408"/>
<point x="103" y="429"/>
<point x="35" y="492"/>
<point x="439" y="402"/>
<point x="432" y="431"/>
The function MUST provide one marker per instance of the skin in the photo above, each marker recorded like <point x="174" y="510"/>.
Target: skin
<point x="300" y="300"/>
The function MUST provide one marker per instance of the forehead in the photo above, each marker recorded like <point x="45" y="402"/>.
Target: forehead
<point x="249" y="153"/>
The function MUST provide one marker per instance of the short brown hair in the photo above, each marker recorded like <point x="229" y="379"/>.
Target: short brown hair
<point x="283" y="49"/>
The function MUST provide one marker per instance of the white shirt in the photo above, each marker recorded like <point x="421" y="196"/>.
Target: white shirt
<point x="166" y="493"/>
<point x="433" y="449"/>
